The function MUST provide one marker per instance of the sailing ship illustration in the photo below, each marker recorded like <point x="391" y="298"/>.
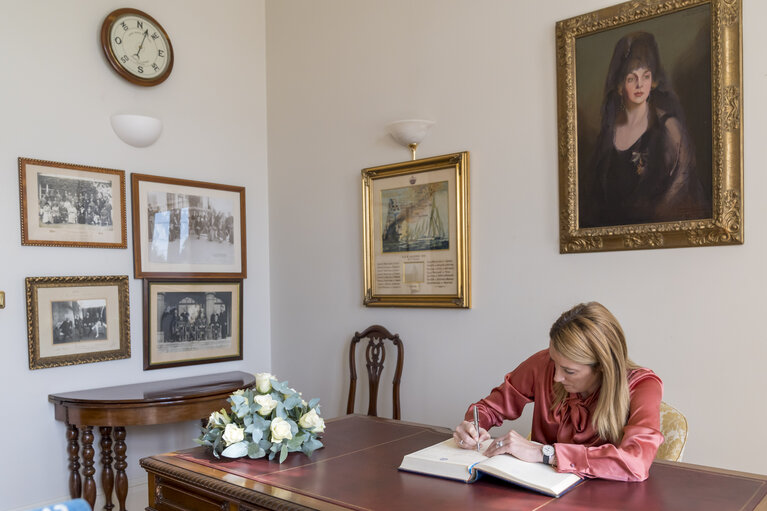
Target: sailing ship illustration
<point x="416" y="225"/>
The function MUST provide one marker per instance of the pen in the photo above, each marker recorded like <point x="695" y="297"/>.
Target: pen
<point x="476" y="425"/>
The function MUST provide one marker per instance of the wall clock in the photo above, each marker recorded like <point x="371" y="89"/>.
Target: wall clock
<point x="137" y="47"/>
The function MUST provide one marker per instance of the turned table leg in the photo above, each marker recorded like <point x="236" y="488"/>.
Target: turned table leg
<point x="89" y="484"/>
<point x="121" y="480"/>
<point x="73" y="448"/>
<point x="107" y="476"/>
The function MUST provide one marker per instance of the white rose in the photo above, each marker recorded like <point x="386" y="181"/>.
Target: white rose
<point x="263" y="382"/>
<point x="233" y="434"/>
<point x="312" y="422"/>
<point x="280" y="429"/>
<point x="218" y="418"/>
<point x="267" y="404"/>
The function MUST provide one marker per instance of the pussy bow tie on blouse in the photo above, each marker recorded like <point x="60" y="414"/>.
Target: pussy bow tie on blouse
<point x="575" y="410"/>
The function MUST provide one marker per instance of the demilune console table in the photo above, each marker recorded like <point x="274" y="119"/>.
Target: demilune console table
<point x="156" y="402"/>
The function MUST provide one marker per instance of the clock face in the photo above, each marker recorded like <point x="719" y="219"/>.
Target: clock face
<point x="137" y="46"/>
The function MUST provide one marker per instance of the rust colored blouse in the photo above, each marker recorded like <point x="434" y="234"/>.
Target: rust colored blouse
<point x="579" y="448"/>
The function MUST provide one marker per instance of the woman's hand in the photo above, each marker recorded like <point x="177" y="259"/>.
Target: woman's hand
<point x="466" y="436"/>
<point x="518" y="446"/>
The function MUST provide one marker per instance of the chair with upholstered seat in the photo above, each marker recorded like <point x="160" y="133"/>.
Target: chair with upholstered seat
<point x="375" y="354"/>
<point x="673" y="425"/>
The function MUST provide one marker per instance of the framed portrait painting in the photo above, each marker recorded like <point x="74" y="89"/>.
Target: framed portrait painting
<point x="416" y="233"/>
<point x="77" y="320"/>
<point x="187" y="229"/>
<point x="68" y="205"/>
<point x="191" y="322"/>
<point x="650" y="126"/>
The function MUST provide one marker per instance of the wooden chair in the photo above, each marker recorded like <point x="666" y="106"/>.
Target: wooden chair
<point x="673" y="425"/>
<point x="375" y="354"/>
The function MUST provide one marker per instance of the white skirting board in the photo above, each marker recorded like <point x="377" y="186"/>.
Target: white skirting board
<point x="137" y="498"/>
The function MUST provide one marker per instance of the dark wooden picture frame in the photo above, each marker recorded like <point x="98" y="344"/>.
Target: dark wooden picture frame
<point x="187" y="229"/>
<point x="69" y="205"/>
<point x="680" y="183"/>
<point x="188" y="322"/>
<point x="77" y="320"/>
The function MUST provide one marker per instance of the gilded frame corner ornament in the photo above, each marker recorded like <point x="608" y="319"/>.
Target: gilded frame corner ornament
<point x="77" y="320"/>
<point x="415" y="223"/>
<point x="723" y="222"/>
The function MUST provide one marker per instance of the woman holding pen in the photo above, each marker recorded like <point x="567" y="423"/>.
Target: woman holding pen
<point x="596" y="413"/>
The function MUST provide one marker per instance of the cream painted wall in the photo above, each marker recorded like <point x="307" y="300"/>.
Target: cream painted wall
<point x="339" y="70"/>
<point x="56" y="96"/>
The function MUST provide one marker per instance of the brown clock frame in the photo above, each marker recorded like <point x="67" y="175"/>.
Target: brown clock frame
<point x="112" y="59"/>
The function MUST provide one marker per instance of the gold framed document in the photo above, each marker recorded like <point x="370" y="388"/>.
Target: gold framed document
<point x="416" y="233"/>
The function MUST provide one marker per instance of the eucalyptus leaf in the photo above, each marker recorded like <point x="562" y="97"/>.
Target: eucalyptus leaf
<point x="237" y="450"/>
<point x="257" y="434"/>
<point x="255" y="451"/>
<point x="283" y="453"/>
<point x="281" y="387"/>
<point x="314" y="402"/>
<point x="292" y="402"/>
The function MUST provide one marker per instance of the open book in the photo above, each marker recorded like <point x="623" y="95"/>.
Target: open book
<point x="446" y="459"/>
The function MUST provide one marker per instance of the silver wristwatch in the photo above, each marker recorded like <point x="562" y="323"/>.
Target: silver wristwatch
<point x="548" y="453"/>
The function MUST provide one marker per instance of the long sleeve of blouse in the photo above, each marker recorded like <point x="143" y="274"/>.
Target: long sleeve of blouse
<point x="579" y="449"/>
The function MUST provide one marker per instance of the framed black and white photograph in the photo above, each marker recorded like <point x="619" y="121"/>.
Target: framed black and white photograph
<point x="191" y="322"/>
<point x="187" y="229"/>
<point x="77" y="320"/>
<point x="67" y="205"/>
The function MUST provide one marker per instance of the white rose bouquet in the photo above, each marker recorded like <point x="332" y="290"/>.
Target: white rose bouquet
<point x="269" y="418"/>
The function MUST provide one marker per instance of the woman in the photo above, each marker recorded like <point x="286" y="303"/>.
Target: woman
<point x="596" y="413"/>
<point x="643" y="167"/>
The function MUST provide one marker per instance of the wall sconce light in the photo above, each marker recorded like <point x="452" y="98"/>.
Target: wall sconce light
<point x="410" y="132"/>
<point x="137" y="130"/>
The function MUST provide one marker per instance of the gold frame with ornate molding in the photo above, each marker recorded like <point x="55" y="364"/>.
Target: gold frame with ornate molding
<point x="725" y="226"/>
<point x="405" y="266"/>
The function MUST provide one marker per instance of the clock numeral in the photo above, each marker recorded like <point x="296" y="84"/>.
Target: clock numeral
<point x="154" y="66"/>
<point x="124" y="25"/>
<point x="118" y="40"/>
<point x="160" y="53"/>
<point x="140" y="69"/>
<point x="124" y="59"/>
<point x="139" y="24"/>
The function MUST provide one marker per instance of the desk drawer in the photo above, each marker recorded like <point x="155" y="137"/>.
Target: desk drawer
<point x="173" y="496"/>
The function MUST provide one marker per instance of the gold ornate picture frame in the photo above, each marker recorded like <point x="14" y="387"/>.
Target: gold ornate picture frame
<point x="680" y="183"/>
<point x="77" y="320"/>
<point x="416" y="233"/>
<point x="69" y="205"/>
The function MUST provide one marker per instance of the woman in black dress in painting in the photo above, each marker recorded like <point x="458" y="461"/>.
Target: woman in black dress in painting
<point x="643" y="167"/>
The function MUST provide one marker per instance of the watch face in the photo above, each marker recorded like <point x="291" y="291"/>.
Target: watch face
<point x="548" y="450"/>
<point x="137" y="46"/>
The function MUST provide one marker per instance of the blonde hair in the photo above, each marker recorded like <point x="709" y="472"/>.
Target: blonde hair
<point x="589" y="334"/>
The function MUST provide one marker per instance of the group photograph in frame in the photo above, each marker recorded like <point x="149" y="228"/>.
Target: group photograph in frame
<point x="69" y="205"/>
<point x="416" y="233"/>
<point x="191" y="322"/>
<point x="650" y="127"/>
<point x="77" y="320"/>
<point x="187" y="229"/>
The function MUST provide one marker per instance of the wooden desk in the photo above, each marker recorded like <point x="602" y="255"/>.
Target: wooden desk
<point x="357" y="469"/>
<point x="157" y="402"/>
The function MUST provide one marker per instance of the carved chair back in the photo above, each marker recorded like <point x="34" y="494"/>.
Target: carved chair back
<point x="375" y="355"/>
